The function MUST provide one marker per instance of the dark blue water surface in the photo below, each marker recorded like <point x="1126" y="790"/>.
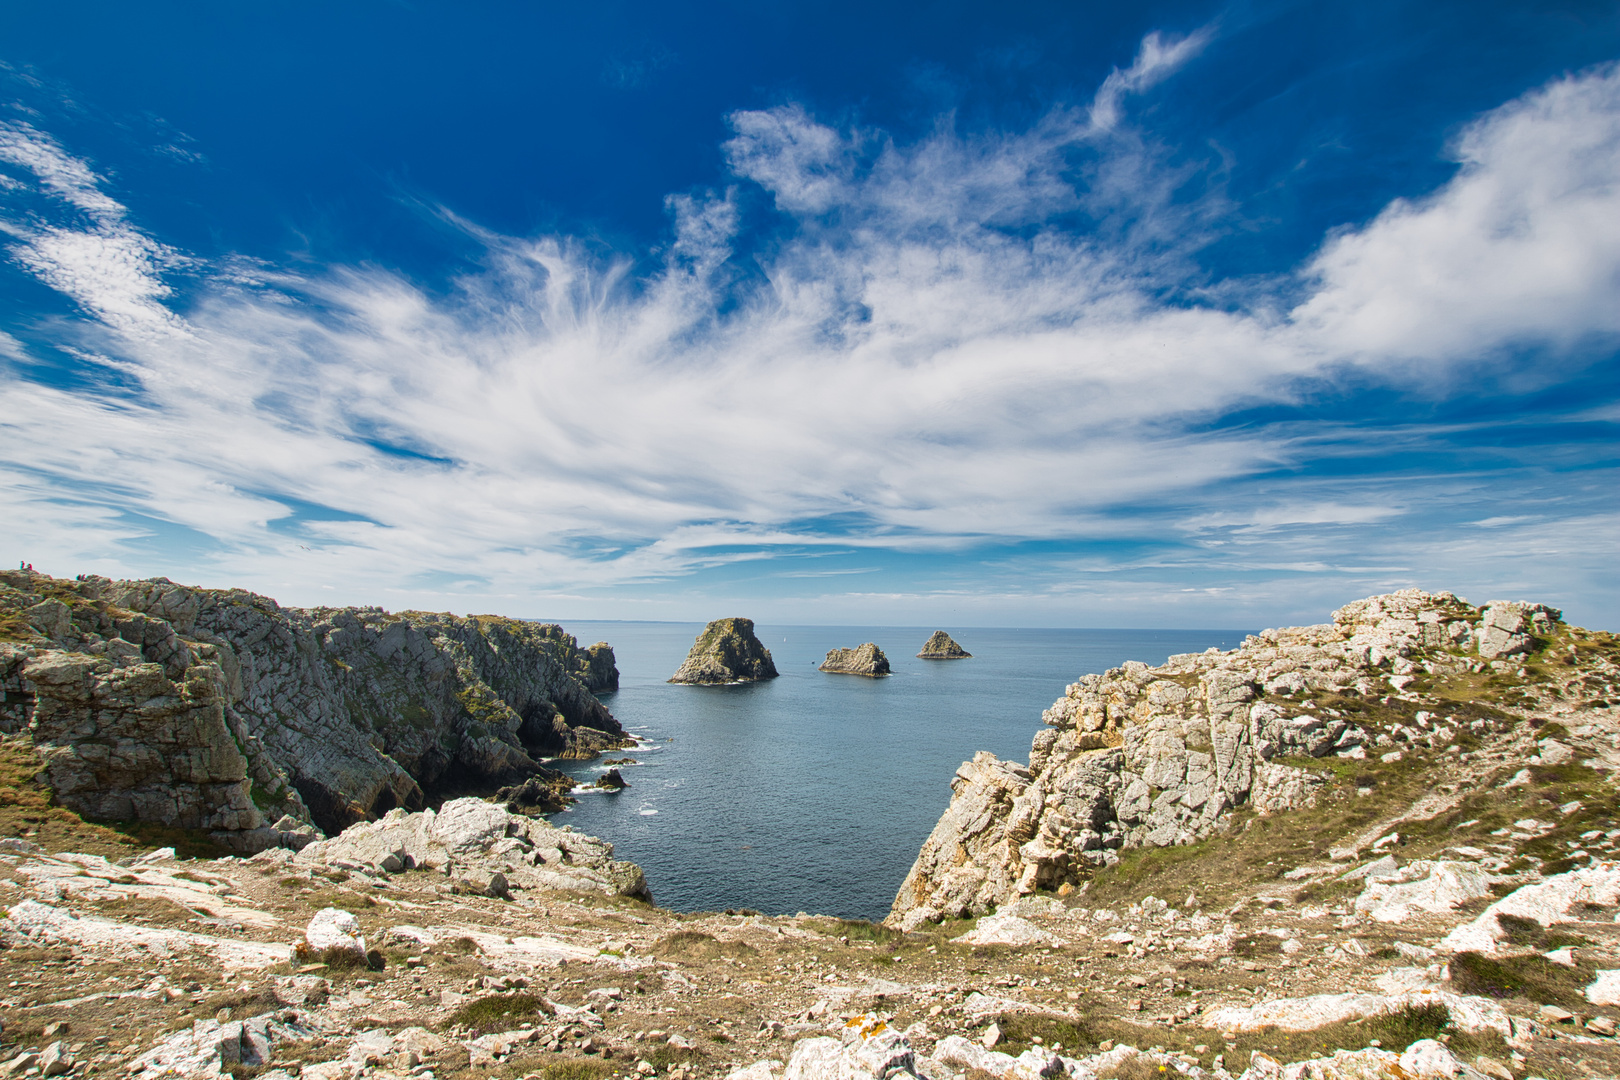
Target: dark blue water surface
<point x="813" y="792"/>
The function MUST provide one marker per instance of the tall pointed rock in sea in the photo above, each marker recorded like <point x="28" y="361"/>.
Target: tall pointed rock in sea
<point x="941" y="647"/>
<point x="726" y="652"/>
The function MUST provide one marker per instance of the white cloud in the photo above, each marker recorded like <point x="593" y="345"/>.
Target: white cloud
<point x="1522" y="246"/>
<point x="928" y="364"/>
<point x="1158" y="59"/>
<point x="110" y="268"/>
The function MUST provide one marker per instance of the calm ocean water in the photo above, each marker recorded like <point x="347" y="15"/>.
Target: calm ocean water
<point x="813" y="792"/>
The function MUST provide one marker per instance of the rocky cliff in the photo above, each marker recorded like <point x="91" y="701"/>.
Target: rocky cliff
<point x="222" y="710"/>
<point x="941" y="646"/>
<point x="866" y="660"/>
<point x="1161" y="756"/>
<point x="726" y="652"/>
<point x="1446" y="909"/>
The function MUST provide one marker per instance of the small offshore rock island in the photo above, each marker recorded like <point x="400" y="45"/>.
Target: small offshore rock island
<point x="867" y="660"/>
<point x="726" y="652"/>
<point x="941" y="646"/>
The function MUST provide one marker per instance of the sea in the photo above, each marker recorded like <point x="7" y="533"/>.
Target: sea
<point x="813" y="792"/>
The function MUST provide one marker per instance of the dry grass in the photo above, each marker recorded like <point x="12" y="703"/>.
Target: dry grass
<point x="1395" y="1030"/>
<point x="695" y="945"/>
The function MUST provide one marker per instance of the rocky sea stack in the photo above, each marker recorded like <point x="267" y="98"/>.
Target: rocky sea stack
<point x="866" y="660"/>
<point x="941" y="646"/>
<point x="726" y="652"/>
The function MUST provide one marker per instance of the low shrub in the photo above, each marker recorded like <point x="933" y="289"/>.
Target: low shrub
<point x="497" y="1012"/>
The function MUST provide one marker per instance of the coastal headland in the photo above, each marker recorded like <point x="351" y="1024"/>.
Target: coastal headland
<point x="1381" y="846"/>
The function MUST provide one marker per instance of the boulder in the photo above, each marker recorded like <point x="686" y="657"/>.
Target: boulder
<point x="1605" y="989"/>
<point x="334" y="928"/>
<point x="1003" y="929"/>
<point x="866" y="660"/>
<point x="1468" y="1013"/>
<point x="486" y="848"/>
<point x="1506" y="627"/>
<point x="940" y="646"/>
<point x="726" y="652"/>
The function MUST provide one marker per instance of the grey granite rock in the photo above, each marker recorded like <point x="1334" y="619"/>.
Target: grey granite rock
<point x="866" y="660"/>
<point x="941" y="646"/>
<point x="222" y="710"/>
<point x="483" y="848"/>
<point x="726" y="652"/>
<point x="1506" y="628"/>
<point x="1158" y="756"/>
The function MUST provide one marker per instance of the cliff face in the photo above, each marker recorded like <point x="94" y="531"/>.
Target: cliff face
<point x="1159" y="756"/>
<point x="726" y="652"/>
<point x="153" y="701"/>
<point x="866" y="660"/>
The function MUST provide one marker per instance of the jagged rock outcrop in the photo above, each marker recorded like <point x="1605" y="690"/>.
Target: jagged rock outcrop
<point x="866" y="660"/>
<point x="941" y="646"/>
<point x="726" y="652"/>
<point x="474" y="843"/>
<point x="597" y="668"/>
<point x="1158" y="756"/>
<point x="222" y="710"/>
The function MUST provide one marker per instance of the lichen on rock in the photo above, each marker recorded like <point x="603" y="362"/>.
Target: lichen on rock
<point x="726" y="652"/>
<point x="865" y="659"/>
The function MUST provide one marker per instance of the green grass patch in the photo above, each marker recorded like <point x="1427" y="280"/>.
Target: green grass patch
<point x="860" y="930"/>
<point x="577" y="1069"/>
<point x="497" y="1012"/>
<point x="1533" y="978"/>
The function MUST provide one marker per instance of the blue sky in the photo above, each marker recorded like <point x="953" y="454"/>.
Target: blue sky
<point x="1078" y="314"/>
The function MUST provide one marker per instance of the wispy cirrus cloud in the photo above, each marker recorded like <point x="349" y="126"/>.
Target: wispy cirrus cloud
<point x="1157" y="60"/>
<point x="108" y="266"/>
<point x="922" y="355"/>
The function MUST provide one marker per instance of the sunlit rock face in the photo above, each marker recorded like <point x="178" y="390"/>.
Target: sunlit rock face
<point x="941" y="646"/>
<point x="865" y="659"/>
<point x="222" y="710"/>
<point x="726" y="652"/>
<point x="1158" y="756"/>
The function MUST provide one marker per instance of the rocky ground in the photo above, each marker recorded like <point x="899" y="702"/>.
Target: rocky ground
<point x="1446" y="907"/>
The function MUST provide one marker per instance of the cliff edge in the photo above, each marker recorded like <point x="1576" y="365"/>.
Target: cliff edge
<point x="221" y="710"/>
<point x="1159" y="756"/>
